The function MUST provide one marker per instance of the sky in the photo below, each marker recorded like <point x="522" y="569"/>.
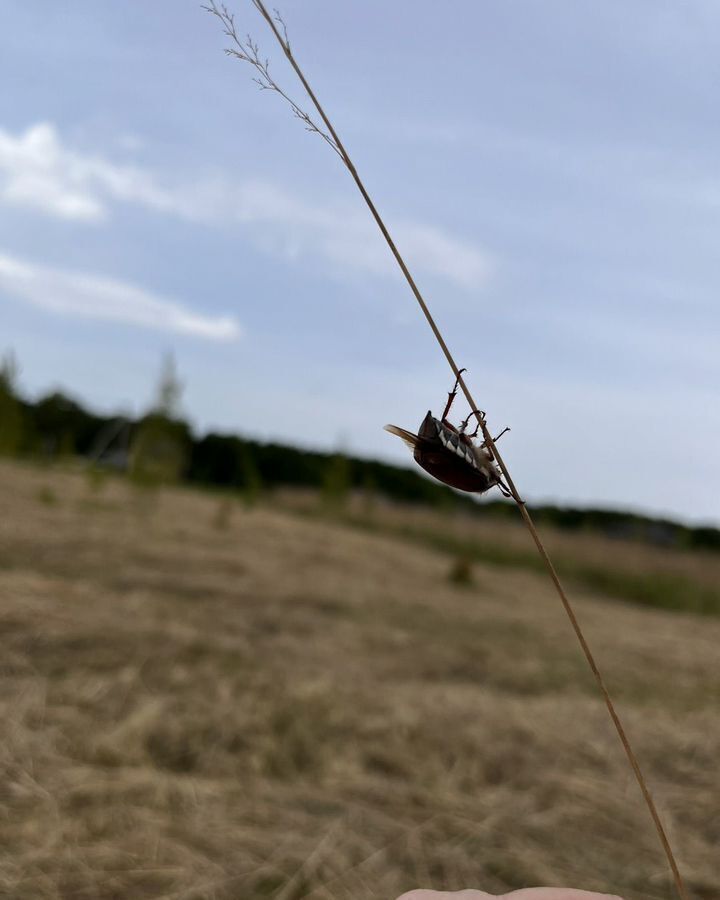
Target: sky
<point x="550" y="170"/>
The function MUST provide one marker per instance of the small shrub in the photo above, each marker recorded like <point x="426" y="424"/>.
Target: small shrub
<point x="461" y="571"/>
<point x="223" y="515"/>
<point x="336" y="482"/>
<point x="96" y="479"/>
<point x="173" y="749"/>
<point x="47" y="496"/>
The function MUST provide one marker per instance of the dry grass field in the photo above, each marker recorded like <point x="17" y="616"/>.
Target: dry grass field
<point x="201" y="700"/>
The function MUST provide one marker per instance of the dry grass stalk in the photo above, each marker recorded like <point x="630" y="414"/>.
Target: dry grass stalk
<point x="248" y="51"/>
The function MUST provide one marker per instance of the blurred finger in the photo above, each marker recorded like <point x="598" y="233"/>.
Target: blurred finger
<point x="448" y="895"/>
<point x="550" y="893"/>
<point x="522" y="894"/>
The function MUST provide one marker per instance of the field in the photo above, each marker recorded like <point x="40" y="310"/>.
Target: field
<point x="202" y="699"/>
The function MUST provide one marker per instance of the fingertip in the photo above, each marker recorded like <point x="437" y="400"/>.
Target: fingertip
<point x="467" y="894"/>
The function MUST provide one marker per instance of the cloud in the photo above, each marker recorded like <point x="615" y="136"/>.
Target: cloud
<point x="38" y="172"/>
<point x="94" y="297"/>
<point x="439" y="254"/>
<point x="293" y="227"/>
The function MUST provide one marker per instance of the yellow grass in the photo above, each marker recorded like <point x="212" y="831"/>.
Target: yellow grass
<point x="205" y="701"/>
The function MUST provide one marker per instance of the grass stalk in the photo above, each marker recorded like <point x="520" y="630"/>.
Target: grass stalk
<point x="247" y="51"/>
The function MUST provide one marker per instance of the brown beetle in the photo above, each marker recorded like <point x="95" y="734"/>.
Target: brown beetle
<point x="450" y="455"/>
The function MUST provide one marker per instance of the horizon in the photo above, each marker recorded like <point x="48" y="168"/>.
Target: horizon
<point x="490" y="497"/>
<point x="553" y="184"/>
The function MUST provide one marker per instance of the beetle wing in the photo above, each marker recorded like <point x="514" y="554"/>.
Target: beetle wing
<point x="408" y="437"/>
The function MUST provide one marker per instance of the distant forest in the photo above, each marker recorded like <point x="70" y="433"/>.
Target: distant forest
<point x="162" y="446"/>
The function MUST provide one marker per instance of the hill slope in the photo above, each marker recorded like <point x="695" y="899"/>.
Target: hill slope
<point x="208" y="701"/>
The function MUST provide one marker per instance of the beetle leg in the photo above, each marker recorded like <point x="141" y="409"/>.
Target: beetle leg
<point x="504" y="489"/>
<point x="481" y="417"/>
<point x="452" y="395"/>
<point x="495" y="439"/>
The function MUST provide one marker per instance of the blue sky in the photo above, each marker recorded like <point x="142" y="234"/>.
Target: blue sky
<point x="551" y="170"/>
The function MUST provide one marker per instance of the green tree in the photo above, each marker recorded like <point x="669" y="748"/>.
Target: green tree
<point x="11" y="413"/>
<point x="252" y="481"/>
<point x="169" y="390"/>
<point x="336" y="481"/>
<point x="160" y="447"/>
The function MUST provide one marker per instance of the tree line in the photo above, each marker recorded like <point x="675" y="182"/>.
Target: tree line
<point x="161" y="447"/>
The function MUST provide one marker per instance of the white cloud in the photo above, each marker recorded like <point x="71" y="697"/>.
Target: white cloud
<point x="36" y="172"/>
<point x="94" y="297"/>
<point x="437" y="253"/>
<point x="39" y="172"/>
<point x="347" y="237"/>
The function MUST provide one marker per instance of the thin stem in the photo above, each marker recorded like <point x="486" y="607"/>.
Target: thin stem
<point x="277" y="24"/>
<point x="248" y="51"/>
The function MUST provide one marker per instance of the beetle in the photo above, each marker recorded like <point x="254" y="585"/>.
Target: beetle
<point x="449" y="454"/>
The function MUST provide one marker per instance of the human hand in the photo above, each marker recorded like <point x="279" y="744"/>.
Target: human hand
<point x="523" y="894"/>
